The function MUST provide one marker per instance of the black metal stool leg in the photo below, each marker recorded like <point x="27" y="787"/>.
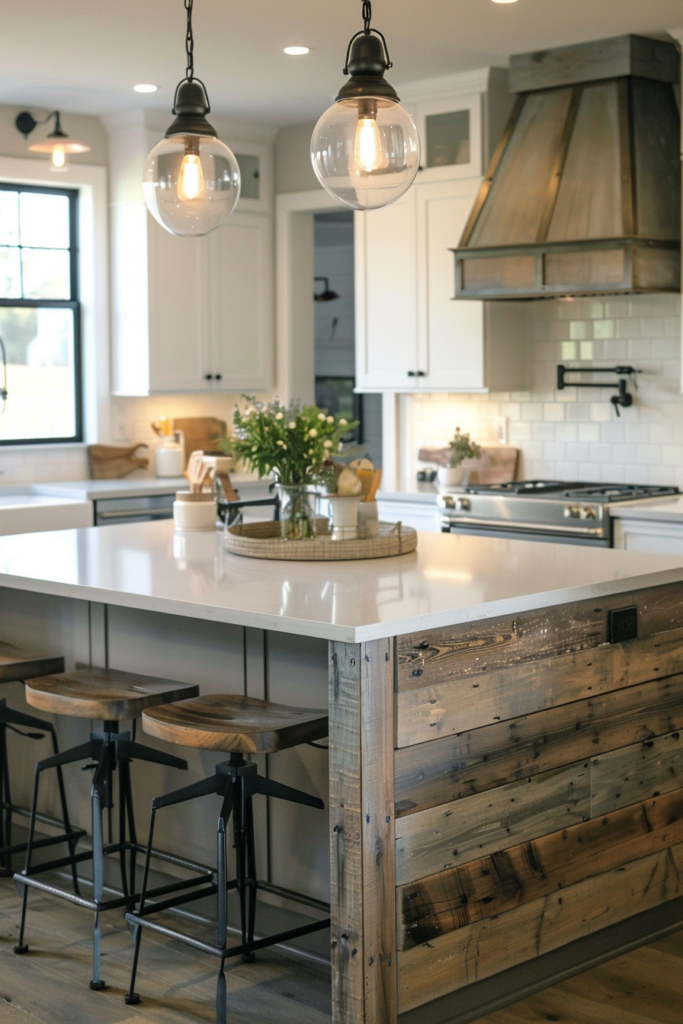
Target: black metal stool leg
<point x="100" y="797"/>
<point x="20" y="946"/>
<point x="71" y="843"/>
<point x="251" y="873"/>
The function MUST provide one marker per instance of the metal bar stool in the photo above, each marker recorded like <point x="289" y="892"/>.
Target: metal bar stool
<point x="18" y="666"/>
<point x="109" y="696"/>
<point x="240" y="725"/>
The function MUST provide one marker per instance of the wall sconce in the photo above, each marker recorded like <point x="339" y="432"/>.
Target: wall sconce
<point x="57" y="144"/>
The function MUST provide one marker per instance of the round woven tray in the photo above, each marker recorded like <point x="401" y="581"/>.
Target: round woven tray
<point x="262" y="540"/>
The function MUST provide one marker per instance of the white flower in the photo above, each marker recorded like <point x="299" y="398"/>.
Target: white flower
<point x="281" y="443"/>
<point x="322" y="416"/>
<point x="279" y="415"/>
<point x="330" y="419"/>
<point x="343" y="423"/>
<point x="292" y="425"/>
<point x="254" y="448"/>
<point x="312" y="432"/>
<point x="327" y="444"/>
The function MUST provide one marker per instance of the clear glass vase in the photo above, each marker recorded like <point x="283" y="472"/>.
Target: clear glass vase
<point x="297" y="511"/>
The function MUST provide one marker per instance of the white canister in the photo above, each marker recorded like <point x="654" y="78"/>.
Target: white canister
<point x="169" y="459"/>
<point x="344" y="513"/>
<point x="452" y="476"/>
<point x="194" y="511"/>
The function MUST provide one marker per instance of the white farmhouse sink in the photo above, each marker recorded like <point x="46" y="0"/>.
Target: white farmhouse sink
<point x="24" y="511"/>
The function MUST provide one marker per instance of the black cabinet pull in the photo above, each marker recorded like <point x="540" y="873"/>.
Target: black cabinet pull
<point x="416" y="373"/>
<point x="411" y="373"/>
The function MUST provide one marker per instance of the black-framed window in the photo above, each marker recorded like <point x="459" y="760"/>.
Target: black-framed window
<point x="40" y="315"/>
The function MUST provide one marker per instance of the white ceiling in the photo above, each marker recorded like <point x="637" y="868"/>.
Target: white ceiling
<point x="86" y="55"/>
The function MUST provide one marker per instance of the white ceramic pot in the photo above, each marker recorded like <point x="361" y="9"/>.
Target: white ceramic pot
<point x="448" y="476"/>
<point x="344" y="514"/>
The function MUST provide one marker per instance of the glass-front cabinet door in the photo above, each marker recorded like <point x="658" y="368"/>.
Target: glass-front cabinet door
<point x="450" y="138"/>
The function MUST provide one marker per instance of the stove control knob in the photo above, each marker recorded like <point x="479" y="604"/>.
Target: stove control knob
<point x="449" y="501"/>
<point x="463" y="504"/>
<point x="572" y="512"/>
<point x="587" y="512"/>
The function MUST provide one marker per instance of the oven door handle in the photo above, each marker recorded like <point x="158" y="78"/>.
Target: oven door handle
<point x="151" y="513"/>
<point x="502" y="524"/>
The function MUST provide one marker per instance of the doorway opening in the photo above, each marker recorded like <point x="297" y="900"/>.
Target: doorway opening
<point x="334" y="330"/>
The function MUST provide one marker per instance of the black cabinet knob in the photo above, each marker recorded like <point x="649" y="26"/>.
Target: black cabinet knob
<point x="208" y="376"/>
<point x="411" y="373"/>
<point x="219" y="376"/>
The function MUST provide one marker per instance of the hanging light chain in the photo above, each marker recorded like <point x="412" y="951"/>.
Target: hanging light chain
<point x="189" y="42"/>
<point x="367" y="16"/>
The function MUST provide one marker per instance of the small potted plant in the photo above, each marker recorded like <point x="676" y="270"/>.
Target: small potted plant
<point x="294" y="443"/>
<point x="462" y="447"/>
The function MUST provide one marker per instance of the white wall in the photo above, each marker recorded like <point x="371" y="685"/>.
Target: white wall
<point x="575" y="434"/>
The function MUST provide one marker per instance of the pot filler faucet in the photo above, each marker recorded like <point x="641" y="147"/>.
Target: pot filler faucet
<point x="623" y="399"/>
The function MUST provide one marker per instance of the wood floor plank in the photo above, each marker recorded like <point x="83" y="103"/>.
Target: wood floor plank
<point x="556" y="1005"/>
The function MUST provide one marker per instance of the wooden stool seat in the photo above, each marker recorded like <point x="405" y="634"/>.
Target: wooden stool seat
<point x="17" y="665"/>
<point x="103" y="693"/>
<point x="237" y="724"/>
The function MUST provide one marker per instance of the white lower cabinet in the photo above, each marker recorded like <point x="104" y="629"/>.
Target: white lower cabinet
<point x="420" y="515"/>
<point x="411" y="334"/>
<point x="646" y="535"/>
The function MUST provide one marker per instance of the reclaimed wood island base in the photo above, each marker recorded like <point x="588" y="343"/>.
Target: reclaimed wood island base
<point x="505" y="760"/>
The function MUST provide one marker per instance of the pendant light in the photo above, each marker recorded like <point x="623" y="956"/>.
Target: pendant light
<point x="191" y="179"/>
<point x="57" y="144"/>
<point x="365" y="149"/>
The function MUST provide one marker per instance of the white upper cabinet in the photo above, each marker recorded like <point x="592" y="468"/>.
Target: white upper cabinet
<point x="411" y="333"/>
<point x="190" y="314"/>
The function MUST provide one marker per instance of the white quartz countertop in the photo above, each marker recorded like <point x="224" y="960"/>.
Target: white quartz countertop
<point x="128" y="487"/>
<point x="450" y="579"/>
<point x="662" y="510"/>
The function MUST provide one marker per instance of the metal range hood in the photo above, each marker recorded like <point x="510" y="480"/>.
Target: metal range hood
<point x="583" y="195"/>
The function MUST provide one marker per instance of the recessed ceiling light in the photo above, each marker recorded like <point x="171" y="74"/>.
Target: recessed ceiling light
<point x="505" y="1"/>
<point x="145" y="88"/>
<point x="297" y="51"/>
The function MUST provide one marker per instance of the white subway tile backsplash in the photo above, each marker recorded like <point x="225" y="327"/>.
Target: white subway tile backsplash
<point x="577" y="433"/>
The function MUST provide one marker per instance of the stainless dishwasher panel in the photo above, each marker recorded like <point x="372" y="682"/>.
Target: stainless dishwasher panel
<point x="133" y="510"/>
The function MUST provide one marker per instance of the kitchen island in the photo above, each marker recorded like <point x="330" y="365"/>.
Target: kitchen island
<point x="505" y="778"/>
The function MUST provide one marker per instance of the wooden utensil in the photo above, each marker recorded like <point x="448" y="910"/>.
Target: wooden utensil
<point x="108" y="462"/>
<point x="374" y="486"/>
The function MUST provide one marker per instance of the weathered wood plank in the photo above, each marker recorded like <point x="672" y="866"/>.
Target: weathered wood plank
<point x="428" y="774"/>
<point x="482" y="949"/>
<point x="346" y="854"/>
<point x="635" y="773"/>
<point x="462" y="651"/>
<point x="503" y="880"/>
<point x="443" y="837"/>
<point x="379" y="864"/>
<point x="460" y="705"/>
<point x="363" y="900"/>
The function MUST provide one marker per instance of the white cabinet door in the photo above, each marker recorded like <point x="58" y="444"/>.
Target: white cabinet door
<point x="386" y="296"/>
<point x="239" y="309"/>
<point x="420" y="515"/>
<point x="648" y="536"/>
<point x="177" y="318"/>
<point x="451" y="333"/>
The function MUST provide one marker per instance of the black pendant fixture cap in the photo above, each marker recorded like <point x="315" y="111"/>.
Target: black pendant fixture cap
<point x="191" y="105"/>
<point x="366" y="62"/>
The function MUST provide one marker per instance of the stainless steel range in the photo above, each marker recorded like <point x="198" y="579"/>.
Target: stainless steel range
<point x="546" y="510"/>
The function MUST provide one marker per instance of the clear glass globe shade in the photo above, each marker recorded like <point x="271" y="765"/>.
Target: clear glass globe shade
<point x="366" y="152"/>
<point x="191" y="184"/>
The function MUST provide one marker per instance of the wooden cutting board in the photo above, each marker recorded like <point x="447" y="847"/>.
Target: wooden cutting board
<point x="202" y="433"/>
<point x="497" y="465"/>
<point x="109" y="462"/>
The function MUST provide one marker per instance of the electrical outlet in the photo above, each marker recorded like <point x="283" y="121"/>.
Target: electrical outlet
<point x="121" y="429"/>
<point x="500" y="425"/>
